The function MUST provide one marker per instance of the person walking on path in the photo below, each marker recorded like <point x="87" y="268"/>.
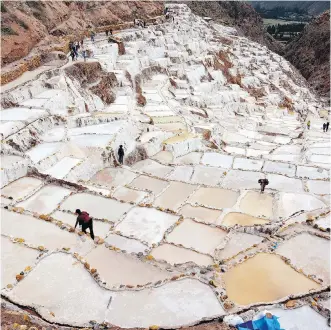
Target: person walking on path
<point x="84" y="53"/>
<point x="308" y="124"/>
<point x="72" y="54"/>
<point x="120" y="154"/>
<point x="324" y="127"/>
<point x="106" y="33"/>
<point x="92" y="36"/>
<point x="327" y="126"/>
<point x="263" y="183"/>
<point x="84" y="220"/>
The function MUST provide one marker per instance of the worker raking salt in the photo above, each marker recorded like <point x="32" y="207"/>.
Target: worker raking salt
<point x="85" y="221"/>
<point x="263" y="183"/>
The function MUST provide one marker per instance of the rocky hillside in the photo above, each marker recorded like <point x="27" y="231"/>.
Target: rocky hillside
<point x="240" y="15"/>
<point x="27" y="24"/>
<point x="310" y="53"/>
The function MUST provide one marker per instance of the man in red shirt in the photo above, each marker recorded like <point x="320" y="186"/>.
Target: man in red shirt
<point x="85" y="221"/>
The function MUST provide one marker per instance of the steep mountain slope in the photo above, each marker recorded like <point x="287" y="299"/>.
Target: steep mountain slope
<point x="310" y="53"/>
<point x="238" y="14"/>
<point x="26" y="24"/>
<point x="310" y="7"/>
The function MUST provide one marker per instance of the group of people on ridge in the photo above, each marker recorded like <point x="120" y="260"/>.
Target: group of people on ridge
<point x="74" y="49"/>
<point x="325" y="126"/>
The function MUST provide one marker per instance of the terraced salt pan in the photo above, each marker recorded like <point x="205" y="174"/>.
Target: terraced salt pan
<point x="53" y="276"/>
<point x="214" y="197"/>
<point x="54" y="135"/>
<point x="43" y="150"/>
<point x="207" y="175"/>
<point x="63" y="167"/>
<point x="238" y="242"/>
<point x="123" y="269"/>
<point x="45" y="200"/>
<point x="91" y="141"/>
<point x="100" y="228"/>
<point x="153" y="168"/>
<point x="309" y="253"/>
<point x="257" y="204"/>
<point x="113" y="177"/>
<point x="289" y="203"/>
<point x="234" y="218"/>
<point x="324" y="159"/>
<point x="98" y="207"/>
<point x="264" y="278"/>
<point x="178" y="255"/>
<point x="150" y="184"/>
<point x="21" y="187"/>
<point x="302" y="318"/>
<point x="247" y="164"/>
<point x="283" y="183"/>
<point x="14" y="258"/>
<point x="24" y="114"/>
<point x="126" y="244"/>
<point x="164" y="157"/>
<point x="181" y="173"/>
<point x="324" y="222"/>
<point x="200" y="213"/>
<point x="279" y="168"/>
<point x="198" y="236"/>
<point x="129" y="195"/>
<point x="171" y="305"/>
<point x="146" y="224"/>
<point x="319" y="187"/>
<point x="108" y="129"/>
<point x="312" y="172"/>
<point x="242" y="179"/>
<point x="8" y="160"/>
<point x="217" y="160"/>
<point x="174" y="196"/>
<point x="190" y="158"/>
<point x="36" y="232"/>
<point x="172" y="127"/>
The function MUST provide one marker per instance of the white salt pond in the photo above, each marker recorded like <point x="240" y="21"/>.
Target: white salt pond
<point x="174" y="196"/>
<point x="302" y="318"/>
<point x="179" y="255"/>
<point x="146" y="224"/>
<point x="214" y="198"/>
<point x="126" y="244"/>
<point x="113" y="177"/>
<point x="216" y="159"/>
<point x="200" y="213"/>
<point x="150" y="184"/>
<point x="123" y="269"/>
<point x="45" y="200"/>
<point x="21" y="188"/>
<point x="210" y="176"/>
<point x="43" y="150"/>
<point x="181" y="173"/>
<point x="309" y="253"/>
<point x="14" y="259"/>
<point x="198" y="236"/>
<point x="63" y="167"/>
<point x="129" y="195"/>
<point x="107" y="208"/>
<point x="190" y="158"/>
<point x="234" y="218"/>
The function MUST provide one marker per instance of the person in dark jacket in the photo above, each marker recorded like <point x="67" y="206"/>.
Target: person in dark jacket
<point x="327" y="126"/>
<point x="72" y="54"/>
<point x="85" y="221"/>
<point x="324" y="127"/>
<point x="263" y="183"/>
<point x="120" y="154"/>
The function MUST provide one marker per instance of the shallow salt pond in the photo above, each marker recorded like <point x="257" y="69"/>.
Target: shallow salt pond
<point x="200" y="213"/>
<point x="45" y="200"/>
<point x="98" y="207"/>
<point x="14" y="258"/>
<point x="214" y="197"/>
<point x="21" y="187"/>
<point x="129" y="195"/>
<point x="181" y="173"/>
<point x="207" y="175"/>
<point x="198" y="236"/>
<point x="190" y="158"/>
<point x="150" y="184"/>
<point x="123" y="269"/>
<point x="264" y="278"/>
<point x="257" y="204"/>
<point x="179" y="138"/>
<point x="127" y="244"/>
<point x="164" y="157"/>
<point x="152" y="167"/>
<point x="113" y="177"/>
<point x="234" y="218"/>
<point x="179" y="255"/>
<point x="175" y="195"/>
<point x="146" y="224"/>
